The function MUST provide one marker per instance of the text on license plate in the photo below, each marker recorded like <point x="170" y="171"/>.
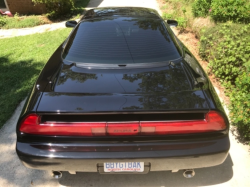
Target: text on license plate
<point x="124" y="167"/>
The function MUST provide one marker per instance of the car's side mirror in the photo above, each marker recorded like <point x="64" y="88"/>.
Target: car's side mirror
<point x="172" y="23"/>
<point x="71" y="23"/>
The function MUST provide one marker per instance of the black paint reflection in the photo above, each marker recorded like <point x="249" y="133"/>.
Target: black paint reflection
<point x="177" y="101"/>
<point x="172" y="79"/>
<point x="161" y="88"/>
<point x="67" y="74"/>
<point x="170" y="89"/>
<point x="159" y="80"/>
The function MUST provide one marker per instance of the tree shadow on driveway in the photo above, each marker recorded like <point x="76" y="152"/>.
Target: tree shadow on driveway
<point x="204" y="177"/>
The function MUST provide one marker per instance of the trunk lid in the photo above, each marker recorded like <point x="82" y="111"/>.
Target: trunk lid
<point x="167" y="88"/>
<point x="87" y="103"/>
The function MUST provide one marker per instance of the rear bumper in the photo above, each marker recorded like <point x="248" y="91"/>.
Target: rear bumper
<point x="162" y="156"/>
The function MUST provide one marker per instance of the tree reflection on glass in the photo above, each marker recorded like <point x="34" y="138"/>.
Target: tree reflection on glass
<point x="152" y="24"/>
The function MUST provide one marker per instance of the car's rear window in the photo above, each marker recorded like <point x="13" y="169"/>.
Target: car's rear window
<point x="121" y="40"/>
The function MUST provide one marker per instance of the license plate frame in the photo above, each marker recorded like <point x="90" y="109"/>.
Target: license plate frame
<point x="123" y="167"/>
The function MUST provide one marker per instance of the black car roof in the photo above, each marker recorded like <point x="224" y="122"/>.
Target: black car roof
<point x="121" y="11"/>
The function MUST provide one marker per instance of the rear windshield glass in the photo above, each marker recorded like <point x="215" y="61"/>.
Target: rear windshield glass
<point x="120" y="41"/>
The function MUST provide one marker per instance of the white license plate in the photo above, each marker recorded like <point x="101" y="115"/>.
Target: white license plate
<point x="124" y="167"/>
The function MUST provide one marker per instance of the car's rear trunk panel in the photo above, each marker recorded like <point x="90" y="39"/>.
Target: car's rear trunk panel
<point x="154" y="80"/>
<point x="91" y="103"/>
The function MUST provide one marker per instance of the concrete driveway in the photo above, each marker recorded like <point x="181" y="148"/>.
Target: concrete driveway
<point x="235" y="171"/>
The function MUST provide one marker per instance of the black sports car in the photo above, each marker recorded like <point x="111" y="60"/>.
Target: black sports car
<point x="122" y="95"/>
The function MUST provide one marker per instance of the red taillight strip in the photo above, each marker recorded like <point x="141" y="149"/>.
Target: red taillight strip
<point x="64" y="129"/>
<point x="31" y="125"/>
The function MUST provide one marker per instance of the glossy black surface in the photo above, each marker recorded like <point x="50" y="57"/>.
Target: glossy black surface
<point x="166" y="155"/>
<point x="121" y="102"/>
<point x="71" y="23"/>
<point x="70" y="90"/>
<point x="120" y="40"/>
<point x="156" y="80"/>
<point x="88" y="90"/>
<point x="161" y="149"/>
<point x="172" y="23"/>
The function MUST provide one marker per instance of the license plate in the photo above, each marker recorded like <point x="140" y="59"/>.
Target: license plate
<point x="124" y="167"/>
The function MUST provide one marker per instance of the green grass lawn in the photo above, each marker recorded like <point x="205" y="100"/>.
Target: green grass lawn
<point x="21" y="22"/>
<point x="21" y="60"/>
<point x="35" y="20"/>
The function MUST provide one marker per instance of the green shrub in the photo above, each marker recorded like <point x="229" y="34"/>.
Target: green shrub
<point x="200" y="8"/>
<point x="234" y="10"/>
<point x="182" y="22"/>
<point x="240" y="104"/>
<point x="56" y="8"/>
<point x="2" y="21"/>
<point x="227" y="49"/>
<point x="167" y="16"/>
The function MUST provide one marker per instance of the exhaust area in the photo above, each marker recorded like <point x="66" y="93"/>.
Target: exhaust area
<point x="57" y="174"/>
<point x="189" y="173"/>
